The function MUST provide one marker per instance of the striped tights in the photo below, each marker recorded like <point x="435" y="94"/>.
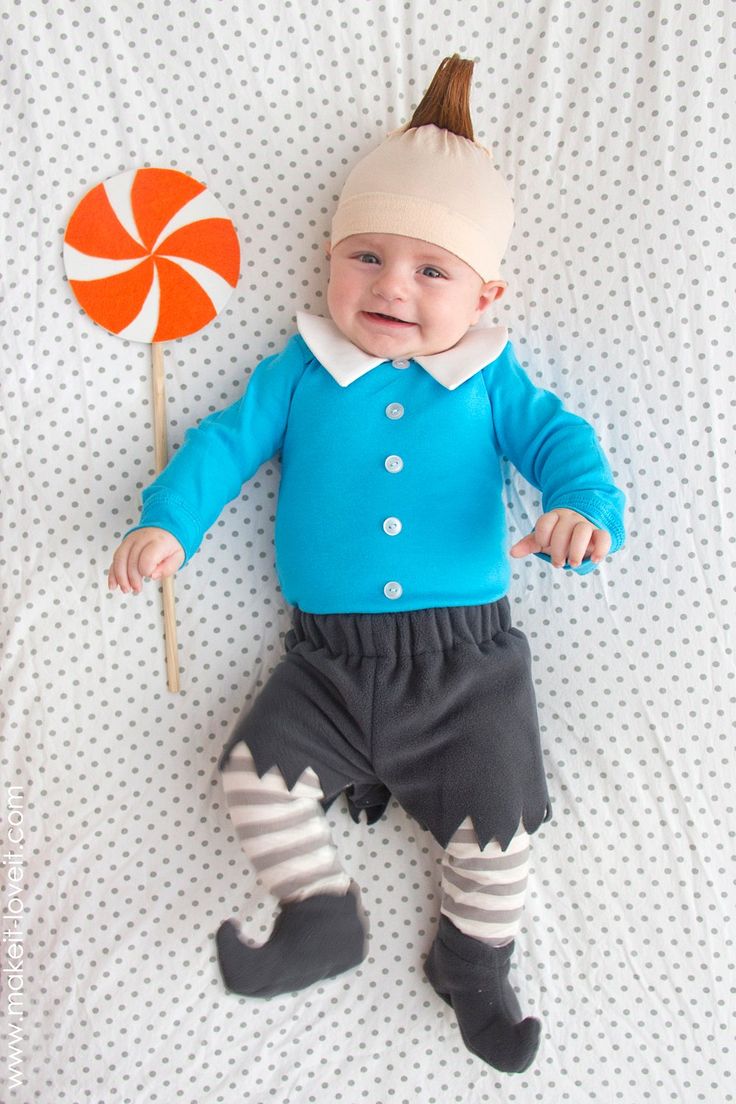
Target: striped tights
<point x="285" y="835"/>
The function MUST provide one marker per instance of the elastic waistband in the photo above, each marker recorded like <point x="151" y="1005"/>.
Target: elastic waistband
<point x="403" y="633"/>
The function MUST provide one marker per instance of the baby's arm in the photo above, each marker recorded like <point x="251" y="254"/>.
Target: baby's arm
<point x="559" y="454"/>
<point x="147" y="553"/>
<point x="215" y="460"/>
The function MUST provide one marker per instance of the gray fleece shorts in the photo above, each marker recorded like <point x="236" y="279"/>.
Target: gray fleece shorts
<point x="435" y="707"/>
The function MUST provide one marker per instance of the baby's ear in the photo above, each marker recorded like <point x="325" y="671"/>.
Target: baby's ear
<point x="489" y="292"/>
<point x="495" y="289"/>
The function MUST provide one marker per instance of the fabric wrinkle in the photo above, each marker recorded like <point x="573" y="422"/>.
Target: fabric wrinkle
<point x="433" y="707"/>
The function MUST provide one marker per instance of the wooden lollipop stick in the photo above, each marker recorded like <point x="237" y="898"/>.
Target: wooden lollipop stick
<point x="161" y="454"/>
<point x="172" y="655"/>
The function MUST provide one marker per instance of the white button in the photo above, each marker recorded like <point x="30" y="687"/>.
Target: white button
<point x="393" y="590"/>
<point x="393" y="463"/>
<point x="394" y="411"/>
<point x="392" y="526"/>
<point x="400" y="363"/>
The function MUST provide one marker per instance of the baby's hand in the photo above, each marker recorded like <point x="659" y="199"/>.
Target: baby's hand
<point x="565" y="535"/>
<point x="149" y="552"/>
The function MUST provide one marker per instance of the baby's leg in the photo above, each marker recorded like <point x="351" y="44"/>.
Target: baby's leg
<point x="318" y="932"/>
<point x="283" y="832"/>
<point x="483" y="891"/>
<point x="469" y="961"/>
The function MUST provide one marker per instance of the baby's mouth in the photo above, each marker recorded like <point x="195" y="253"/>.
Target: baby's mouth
<point x="379" y="317"/>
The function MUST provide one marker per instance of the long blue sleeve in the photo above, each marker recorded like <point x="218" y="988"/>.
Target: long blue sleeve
<point x="223" y="451"/>
<point x="556" y="451"/>
<point x="391" y="489"/>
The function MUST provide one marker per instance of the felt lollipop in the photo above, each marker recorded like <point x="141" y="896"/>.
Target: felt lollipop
<point x="151" y="256"/>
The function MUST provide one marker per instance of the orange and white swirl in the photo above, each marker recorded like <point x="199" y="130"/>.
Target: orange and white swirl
<point x="151" y="255"/>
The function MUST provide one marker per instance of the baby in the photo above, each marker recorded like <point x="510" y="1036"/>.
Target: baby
<point x="402" y="675"/>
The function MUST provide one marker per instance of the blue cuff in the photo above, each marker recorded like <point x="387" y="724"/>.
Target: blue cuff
<point x="166" y="510"/>
<point x="585" y="567"/>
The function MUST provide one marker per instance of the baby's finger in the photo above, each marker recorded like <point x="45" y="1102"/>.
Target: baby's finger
<point x="151" y="557"/>
<point x="579" y="542"/>
<point x="169" y="566"/>
<point x="119" y="569"/>
<point x="526" y="546"/>
<point x="560" y="541"/>
<point x="546" y="525"/>
<point x="134" y="574"/>
<point x="601" y="541"/>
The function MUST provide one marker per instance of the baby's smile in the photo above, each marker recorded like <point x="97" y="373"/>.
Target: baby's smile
<point x="377" y="316"/>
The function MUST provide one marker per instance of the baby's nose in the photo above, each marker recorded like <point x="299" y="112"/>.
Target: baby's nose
<point x="390" y="284"/>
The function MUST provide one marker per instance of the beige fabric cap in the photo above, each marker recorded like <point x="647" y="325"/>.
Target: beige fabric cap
<point x="431" y="184"/>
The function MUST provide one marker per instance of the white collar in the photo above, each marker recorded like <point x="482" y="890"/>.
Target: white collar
<point x="346" y="362"/>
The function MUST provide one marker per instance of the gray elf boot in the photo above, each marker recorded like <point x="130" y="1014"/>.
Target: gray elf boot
<point x="472" y="977"/>
<point x="311" y="940"/>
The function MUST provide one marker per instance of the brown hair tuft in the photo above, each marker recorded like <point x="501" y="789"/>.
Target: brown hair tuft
<point x="446" y="103"/>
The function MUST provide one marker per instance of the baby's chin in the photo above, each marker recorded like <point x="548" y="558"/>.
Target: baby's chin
<point x="392" y="350"/>
<point x="388" y="350"/>
<point x="379" y="344"/>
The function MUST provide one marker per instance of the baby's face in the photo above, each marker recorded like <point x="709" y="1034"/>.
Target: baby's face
<point x="434" y="295"/>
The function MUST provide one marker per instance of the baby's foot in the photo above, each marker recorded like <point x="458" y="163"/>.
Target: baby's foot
<point x="313" y="939"/>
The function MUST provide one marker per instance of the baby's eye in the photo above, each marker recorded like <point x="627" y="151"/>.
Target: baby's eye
<point x="362" y="256"/>
<point x="428" y="268"/>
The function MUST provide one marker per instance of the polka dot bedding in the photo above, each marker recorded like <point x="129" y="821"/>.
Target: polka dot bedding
<point x="613" y="126"/>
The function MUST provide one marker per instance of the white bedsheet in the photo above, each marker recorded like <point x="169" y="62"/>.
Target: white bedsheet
<point x="614" y="126"/>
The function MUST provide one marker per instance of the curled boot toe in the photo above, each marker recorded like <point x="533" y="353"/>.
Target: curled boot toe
<point x="472" y="977"/>
<point x="313" y="939"/>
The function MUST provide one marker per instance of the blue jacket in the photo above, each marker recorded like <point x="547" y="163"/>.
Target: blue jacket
<point x="391" y="494"/>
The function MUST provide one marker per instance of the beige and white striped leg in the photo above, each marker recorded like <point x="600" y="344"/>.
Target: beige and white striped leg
<point x="483" y="891"/>
<point x="284" y="833"/>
